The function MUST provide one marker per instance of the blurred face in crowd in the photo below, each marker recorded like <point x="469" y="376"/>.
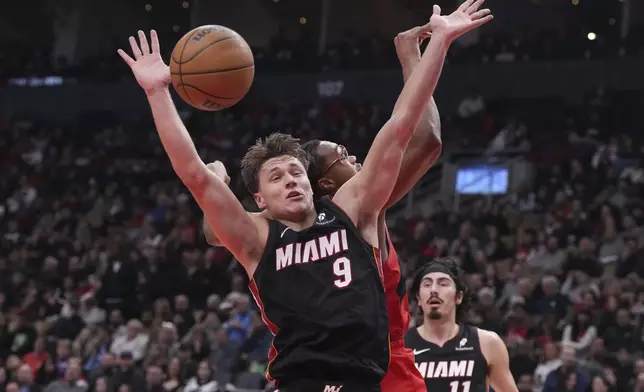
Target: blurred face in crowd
<point x="101" y="385"/>
<point x="583" y="319"/>
<point x="599" y="385"/>
<point x="639" y="366"/>
<point x="596" y="348"/>
<point x="284" y="188"/>
<point x="553" y="243"/>
<point x="12" y="387"/>
<point x="116" y="318"/>
<point x="550" y="351"/>
<point x="571" y="382"/>
<point x="63" y="348"/>
<point x="525" y="383"/>
<point x="438" y="296"/>
<point x="623" y="317"/>
<point x="203" y="372"/>
<point x="25" y="375"/>
<point x="486" y="297"/>
<point x="181" y="303"/>
<point x="73" y="371"/>
<point x="338" y="167"/>
<point x="550" y="286"/>
<point x="568" y="356"/>
<point x="174" y="369"/>
<point x="13" y="362"/>
<point x="154" y="376"/>
<point x="242" y="304"/>
<point x="524" y="287"/>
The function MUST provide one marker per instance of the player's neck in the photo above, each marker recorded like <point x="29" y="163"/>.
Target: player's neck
<point x="439" y="331"/>
<point x="301" y="224"/>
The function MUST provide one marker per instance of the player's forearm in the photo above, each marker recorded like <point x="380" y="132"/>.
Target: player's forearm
<point x="424" y="148"/>
<point x="415" y="96"/>
<point x="175" y="137"/>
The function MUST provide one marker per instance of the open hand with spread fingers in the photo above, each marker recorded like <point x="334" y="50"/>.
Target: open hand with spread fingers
<point x="147" y="65"/>
<point x="467" y="17"/>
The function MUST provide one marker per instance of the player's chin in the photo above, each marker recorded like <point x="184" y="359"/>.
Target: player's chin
<point x="434" y="314"/>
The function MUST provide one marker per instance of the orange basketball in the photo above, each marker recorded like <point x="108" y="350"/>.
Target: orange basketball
<point x="212" y="67"/>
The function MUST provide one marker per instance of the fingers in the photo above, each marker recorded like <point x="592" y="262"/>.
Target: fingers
<point x="143" y="41"/>
<point x="135" y="48"/>
<point x="437" y="9"/>
<point x="474" y="7"/>
<point x="128" y="60"/>
<point x="480" y="22"/>
<point x="155" y="42"/>
<point x="466" y="4"/>
<point x="480" y="14"/>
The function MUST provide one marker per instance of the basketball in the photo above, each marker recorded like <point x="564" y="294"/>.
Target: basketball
<point x="212" y="67"/>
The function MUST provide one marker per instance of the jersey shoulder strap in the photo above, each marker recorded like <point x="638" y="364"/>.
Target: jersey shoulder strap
<point x="338" y="213"/>
<point x="271" y="242"/>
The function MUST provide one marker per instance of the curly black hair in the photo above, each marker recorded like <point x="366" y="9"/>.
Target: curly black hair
<point x="457" y="275"/>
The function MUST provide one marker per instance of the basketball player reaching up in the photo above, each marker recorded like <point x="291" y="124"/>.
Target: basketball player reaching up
<point x="331" y="166"/>
<point x="450" y="355"/>
<point x="313" y="267"/>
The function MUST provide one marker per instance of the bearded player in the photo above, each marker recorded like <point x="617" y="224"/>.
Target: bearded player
<point x="451" y="355"/>
<point x="331" y="166"/>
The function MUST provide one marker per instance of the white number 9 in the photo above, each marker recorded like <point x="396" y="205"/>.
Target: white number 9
<point x="342" y="269"/>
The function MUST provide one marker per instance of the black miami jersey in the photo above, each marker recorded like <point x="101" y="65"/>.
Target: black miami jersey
<point x="457" y="366"/>
<point x="321" y="294"/>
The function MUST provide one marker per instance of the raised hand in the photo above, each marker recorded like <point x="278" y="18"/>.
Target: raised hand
<point x="407" y="45"/>
<point x="147" y="65"/>
<point x="467" y="17"/>
<point x="219" y="169"/>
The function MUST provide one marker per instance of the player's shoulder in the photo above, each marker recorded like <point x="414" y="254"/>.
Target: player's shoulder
<point x="491" y="344"/>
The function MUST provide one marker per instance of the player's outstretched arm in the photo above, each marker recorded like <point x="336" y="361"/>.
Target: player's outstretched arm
<point x="496" y="354"/>
<point x="369" y="191"/>
<point x="218" y="168"/>
<point x="425" y="145"/>
<point x="242" y="234"/>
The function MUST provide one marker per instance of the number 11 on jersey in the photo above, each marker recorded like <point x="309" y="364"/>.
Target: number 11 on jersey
<point x="454" y="386"/>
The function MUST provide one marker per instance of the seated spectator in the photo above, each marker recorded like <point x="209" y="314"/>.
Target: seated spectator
<point x="567" y="377"/>
<point x="580" y="333"/>
<point x="72" y="380"/>
<point x="204" y="380"/>
<point x="134" y="341"/>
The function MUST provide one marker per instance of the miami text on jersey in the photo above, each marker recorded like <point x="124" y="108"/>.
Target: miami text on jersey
<point x="314" y="250"/>
<point x="446" y="369"/>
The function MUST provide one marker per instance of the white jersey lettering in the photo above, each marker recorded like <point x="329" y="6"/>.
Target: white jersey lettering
<point x="446" y="369"/>
<point x="313" y="250"/>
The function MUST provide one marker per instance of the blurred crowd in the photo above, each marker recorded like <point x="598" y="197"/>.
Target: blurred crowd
<point x="106" y="282"/>
<point x="289" y="54"/>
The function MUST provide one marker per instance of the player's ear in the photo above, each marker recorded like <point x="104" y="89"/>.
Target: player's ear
<point x="459" y="297"/>
<point x="326" y="184"/>
<point x="259" y="200"/>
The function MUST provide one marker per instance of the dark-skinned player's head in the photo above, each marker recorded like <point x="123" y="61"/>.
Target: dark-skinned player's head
<point x="274" y="171"/>
<point x="441" y="291"/>
<point x="330" y="166"/>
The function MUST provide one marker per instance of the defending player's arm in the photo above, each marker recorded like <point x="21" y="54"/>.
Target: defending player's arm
<point x="426" y="145"/>
<point x="369" y="191"/>
<point x="242" y="234"/>
<point x="498" y="360"/>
